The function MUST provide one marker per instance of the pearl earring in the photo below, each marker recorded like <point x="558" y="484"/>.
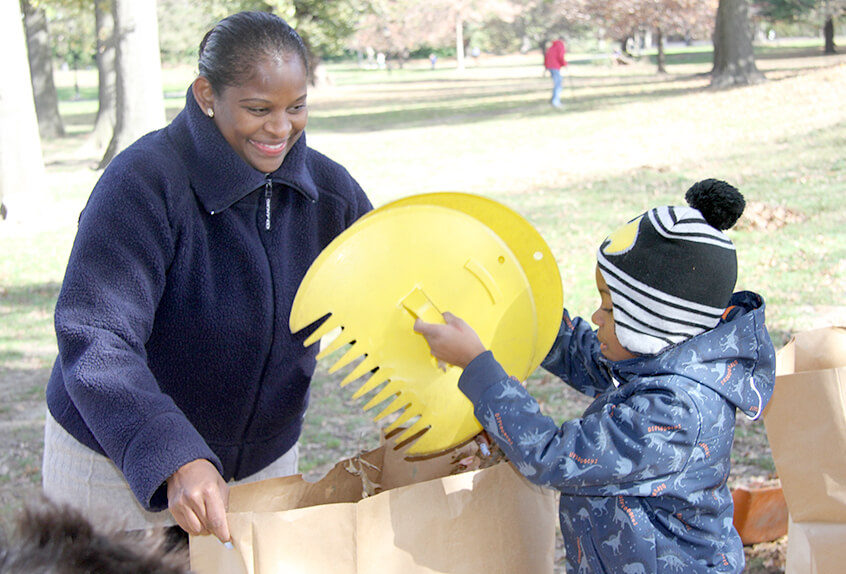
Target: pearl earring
<point x="211" y="113"/>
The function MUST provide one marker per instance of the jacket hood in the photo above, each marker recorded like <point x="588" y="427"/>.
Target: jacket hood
<point x="218" y="175"/>
<point x="736" y="358"/>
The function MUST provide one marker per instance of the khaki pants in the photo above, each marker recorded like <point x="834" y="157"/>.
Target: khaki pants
<point x="74" y="474"/>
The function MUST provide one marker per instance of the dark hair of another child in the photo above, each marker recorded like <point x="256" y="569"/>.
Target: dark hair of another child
<point x="56" y="539"/>
<point x="229" y="51"/>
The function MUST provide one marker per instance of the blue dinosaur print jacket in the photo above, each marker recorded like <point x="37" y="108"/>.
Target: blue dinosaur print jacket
<point x="642" y="474"/>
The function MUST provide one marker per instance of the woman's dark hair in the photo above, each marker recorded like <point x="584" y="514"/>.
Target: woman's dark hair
<point x="231" y="49"/>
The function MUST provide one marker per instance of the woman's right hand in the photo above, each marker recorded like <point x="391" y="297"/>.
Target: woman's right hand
<point x="197" y="497"/>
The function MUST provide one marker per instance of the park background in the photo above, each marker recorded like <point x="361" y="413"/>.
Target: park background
<point x="639" y="126"/>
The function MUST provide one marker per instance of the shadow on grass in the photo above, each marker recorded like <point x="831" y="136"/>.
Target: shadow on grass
<point x="485" y="105"/>
<point x="461" y="101"/>
<point x="17" y="306"/>
<point x="30" y="294"/>
<point x="761" y="53"/>
<point x="416" y="98"/>
<point x="776" y="53"/>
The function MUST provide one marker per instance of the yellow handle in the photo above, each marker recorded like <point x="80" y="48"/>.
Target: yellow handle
<point x="420" y="306"/>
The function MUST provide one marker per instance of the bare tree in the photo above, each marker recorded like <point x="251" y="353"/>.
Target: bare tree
<point x="104" y="124"/>
<point x="398" y="27"/>
<point x="797" y="10"/>
<point x="622" y="19"/>
<point x="21" y="163"/>
<point x="734" y="58"/>
<point x="140" y="101"/>
<point x="539" y="22"/>
<point x="830" y="10"/>
<point x="459" y="35"/>
<point x="828" y="34"/>
<point x="41" y="70"/>
<point x="686" y="17"/>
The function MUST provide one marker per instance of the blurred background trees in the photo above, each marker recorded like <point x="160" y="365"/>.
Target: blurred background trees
<point x="411" y="28"/>
<point x="76" y="34"/>
<point x="797" y="12"/>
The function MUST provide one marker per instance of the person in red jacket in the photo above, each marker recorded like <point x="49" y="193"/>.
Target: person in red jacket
<point x="553" y="61"/>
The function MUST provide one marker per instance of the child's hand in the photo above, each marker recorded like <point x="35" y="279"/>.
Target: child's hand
<point x="455" y="343"/>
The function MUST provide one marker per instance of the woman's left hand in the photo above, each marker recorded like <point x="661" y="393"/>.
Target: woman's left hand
<point x="197" y="497"/>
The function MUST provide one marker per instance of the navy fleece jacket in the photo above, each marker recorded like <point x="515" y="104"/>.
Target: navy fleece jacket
<point x="172" y="321"/>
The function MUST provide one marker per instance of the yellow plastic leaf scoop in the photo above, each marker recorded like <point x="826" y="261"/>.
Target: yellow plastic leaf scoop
<point x="418" y="257"/>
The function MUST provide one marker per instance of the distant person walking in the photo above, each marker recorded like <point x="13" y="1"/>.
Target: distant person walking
<point x="553" y="61"/>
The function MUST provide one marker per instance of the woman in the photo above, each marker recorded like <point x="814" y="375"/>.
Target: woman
<point x="177" y="371"/>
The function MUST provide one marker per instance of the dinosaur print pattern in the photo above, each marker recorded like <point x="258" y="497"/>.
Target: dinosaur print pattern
<point x="643" y="473"/>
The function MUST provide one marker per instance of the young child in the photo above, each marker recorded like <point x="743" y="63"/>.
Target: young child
<point x="642" y="474"/>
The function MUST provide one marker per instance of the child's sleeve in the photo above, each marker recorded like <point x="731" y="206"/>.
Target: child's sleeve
<point x="574" y="357"/>
<point x="623" y="448"/>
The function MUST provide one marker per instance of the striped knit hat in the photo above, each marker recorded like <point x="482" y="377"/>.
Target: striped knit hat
<point x="671" y="271"/>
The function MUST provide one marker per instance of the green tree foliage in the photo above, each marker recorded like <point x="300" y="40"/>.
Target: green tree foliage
<point x="182" y="26"/>
<point x="784" y="10"/>
<point x="324" y="26"/>
<point x="535" y="23"/>
<point x="72" y="30"/>
<point x="792" y="11"/>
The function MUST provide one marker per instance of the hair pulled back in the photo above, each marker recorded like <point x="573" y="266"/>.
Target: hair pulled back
<point x="230" y="50"/>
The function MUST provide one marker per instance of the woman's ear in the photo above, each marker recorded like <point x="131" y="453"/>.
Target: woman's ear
<point x="204" y="95"/>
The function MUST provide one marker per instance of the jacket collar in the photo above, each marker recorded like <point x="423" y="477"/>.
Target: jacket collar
<point x="218" y="175"/>
<point x="735" y="359"/>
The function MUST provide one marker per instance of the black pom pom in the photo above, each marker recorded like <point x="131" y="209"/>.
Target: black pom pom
<point x="720" y="203"/>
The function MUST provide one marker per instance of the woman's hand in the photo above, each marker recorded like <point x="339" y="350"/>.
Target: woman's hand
<point x="455" y="343"/>
<point x="197" y="497"/>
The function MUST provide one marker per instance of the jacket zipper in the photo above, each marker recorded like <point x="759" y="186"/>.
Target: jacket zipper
<point x="268" y="192"/>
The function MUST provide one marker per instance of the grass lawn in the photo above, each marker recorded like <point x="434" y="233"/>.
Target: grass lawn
<point x="627" y="139"/>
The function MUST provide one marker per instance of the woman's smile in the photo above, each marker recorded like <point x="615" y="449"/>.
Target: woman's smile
<point x="268" y="149"/>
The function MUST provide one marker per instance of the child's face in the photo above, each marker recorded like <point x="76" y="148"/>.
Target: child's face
<point x="603" y="318"/>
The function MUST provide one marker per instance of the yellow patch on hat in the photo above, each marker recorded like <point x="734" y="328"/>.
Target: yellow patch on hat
<point x="623" y="239"/>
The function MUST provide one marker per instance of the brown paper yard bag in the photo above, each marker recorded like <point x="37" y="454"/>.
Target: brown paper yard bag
<point x="490" y="521"/>
<point x="806" y="427"/>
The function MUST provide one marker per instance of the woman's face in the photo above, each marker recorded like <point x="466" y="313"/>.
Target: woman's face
<point x="264" y="117"/>
<point x="603" y="318"/>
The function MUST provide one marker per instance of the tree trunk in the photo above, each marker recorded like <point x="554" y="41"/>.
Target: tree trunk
<point x="41" y="71"/>
<point x="734" y="58"/>
<point x="828" y="34"/>
<point x="459" y="41"/>
<point x="659" y="36"/>
<point x="318" y="75"/>
<point x="140" y="101"/>
<point x="21" y="163"/>
<point x="104" y="124"/>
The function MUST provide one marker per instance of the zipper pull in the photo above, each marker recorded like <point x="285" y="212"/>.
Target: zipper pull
<point x="268" y="192"/>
